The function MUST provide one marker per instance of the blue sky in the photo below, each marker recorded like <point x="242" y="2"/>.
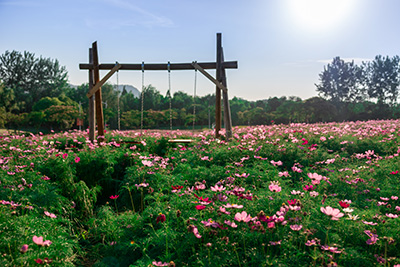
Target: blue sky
<point x="281" y="45"/>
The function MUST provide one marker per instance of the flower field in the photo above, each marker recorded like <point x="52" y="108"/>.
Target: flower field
<point x="278" y="195"/>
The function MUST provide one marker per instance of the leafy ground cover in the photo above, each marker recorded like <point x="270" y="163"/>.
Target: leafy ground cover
<point x="278" y="195"/>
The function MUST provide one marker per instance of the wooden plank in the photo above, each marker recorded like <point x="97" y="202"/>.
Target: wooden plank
<point x="160" y="66"/>
<point x="180" y="141"/>
<point x="99" y="102"/>
<point x="225" y="99"/>
<point x="92" y="111"/>
<point x="103" y="81"/>
<point x="208" y="75"/>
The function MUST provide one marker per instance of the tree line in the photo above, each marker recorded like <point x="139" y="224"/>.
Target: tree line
<point x="34" y="92"/>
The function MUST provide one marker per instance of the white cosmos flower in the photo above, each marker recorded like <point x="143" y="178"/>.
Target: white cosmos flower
<point x="352" y="217"/>
<point x="348" y="210"/>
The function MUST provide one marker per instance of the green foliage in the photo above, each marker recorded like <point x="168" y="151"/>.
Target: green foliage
<point x="31" y="78"/>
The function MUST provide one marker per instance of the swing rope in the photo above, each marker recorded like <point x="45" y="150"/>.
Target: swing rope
<point x="170" y="97"/>
<point x="119" y="96"/>
<point x="194" y="98"/>
<point x="141" y="116"/>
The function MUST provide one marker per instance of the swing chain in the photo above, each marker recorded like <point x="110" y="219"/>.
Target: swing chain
<point x="119" y="96"/>
<point x="170" y="97"/>
<point x="141" y="116"/>
<point x="194" y="98"/>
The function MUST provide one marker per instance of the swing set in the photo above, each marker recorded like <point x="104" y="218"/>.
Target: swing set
<point x="95" y="98"/>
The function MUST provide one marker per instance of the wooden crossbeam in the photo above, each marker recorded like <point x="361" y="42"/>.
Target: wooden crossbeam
<point x="104" y="80"/>
<point x="161" y="66"/>
<point x="208" y="75"/>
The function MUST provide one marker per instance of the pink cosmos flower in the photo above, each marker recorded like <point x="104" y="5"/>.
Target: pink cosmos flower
<point x="393" y="216"/>
<point x="274" y="187"/>
<point x="161" y="218"/>
<point x="147" y="163"/>
<point x="243" y="216"/>
<point x="65" y="155"/>
<point x="24" y="248"/>
<point x="223" y="210"/>
<point x="275" y="243"/>
<point x="217" y="188"/>
<point x="334" y="213"/>
<point x="331" y="249"/>
<point x="193" y="229"/>
<point x="296" y="227"/>
<point x="373" y="237"/>
<point x="159" y="263"/>
<point x="315" y="177"/>
<point x="312" y="242"/>
<point x="141" y="185"/>
<point x="343" y="204"/>
<point x="114" y="197"/>
<point x="369" y="223"/>
<point x="77" y="159"/>
<point x="200" y="207"/>
<point x="308" y="187"/>
<point x="39" y="241"/>
<point x="276" y="163"/>
<point x="231" y="224"/>
<point x="394" y="197"/>
<point x="51" y="215"/>
<point x="285" y="174"/>
<point x="395" y="172"/>
<point x="210" y="223"/>
<point x="233" y="206"/>
<point x="297" y="169"/>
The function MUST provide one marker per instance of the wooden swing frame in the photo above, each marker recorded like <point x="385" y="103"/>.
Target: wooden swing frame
<point x="95" y="98"/>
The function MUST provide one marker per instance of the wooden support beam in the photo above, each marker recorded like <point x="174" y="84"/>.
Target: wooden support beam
<point x="225" y="99"/>
<point x="92" y="109"/>
<point x="99" y="102"/>
<point x="218" y="117"/>
<point x="104" y="80"/>
<point x="160" y="66"/>
<point x="208" y="75"/>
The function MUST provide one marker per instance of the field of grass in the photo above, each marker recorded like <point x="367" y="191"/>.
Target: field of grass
<point x="279" y="195"/>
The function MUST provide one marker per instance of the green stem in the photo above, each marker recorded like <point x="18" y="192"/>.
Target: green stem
<point x="209" y="257"/>
<point x="130" y="195"/>
<point x="141" y="201"/>
<point x="115" y="202"/>
<point x="166" y="240"/>
<point x="237" y="256"/>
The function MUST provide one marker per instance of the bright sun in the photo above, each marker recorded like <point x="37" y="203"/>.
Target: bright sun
<point x="319" y="14"/>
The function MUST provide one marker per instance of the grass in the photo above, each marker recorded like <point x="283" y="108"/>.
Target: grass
<point x="279" y="195"/>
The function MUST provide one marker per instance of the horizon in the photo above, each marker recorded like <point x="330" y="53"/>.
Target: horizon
<point x="281" y="46"/>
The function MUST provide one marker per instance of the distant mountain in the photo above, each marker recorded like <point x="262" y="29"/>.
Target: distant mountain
<point x="129" y="88"/>
<point x="121" y="87"/>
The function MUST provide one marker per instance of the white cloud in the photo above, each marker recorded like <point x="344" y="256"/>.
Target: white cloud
<point x="145" y="17"/>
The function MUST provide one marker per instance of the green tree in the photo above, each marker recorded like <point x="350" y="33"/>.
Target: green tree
<point x="319" y="110"/>
<point x="383" y="79"/>
<point x="31" y="78"/>
<point x="7" y="98"/>
<point x="341" y="81"/>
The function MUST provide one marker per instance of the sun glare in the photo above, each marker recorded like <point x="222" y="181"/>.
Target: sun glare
<point x="319" y="15"/>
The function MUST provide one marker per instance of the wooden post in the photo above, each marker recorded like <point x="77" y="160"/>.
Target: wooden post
<point x="92" y="114"/>
<point x="217" y="90"/>
<point x="99" y="103"/>
<point x="227" y="108"/>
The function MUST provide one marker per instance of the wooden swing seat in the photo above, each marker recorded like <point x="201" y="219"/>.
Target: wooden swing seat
<point x="180" y="141"/>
